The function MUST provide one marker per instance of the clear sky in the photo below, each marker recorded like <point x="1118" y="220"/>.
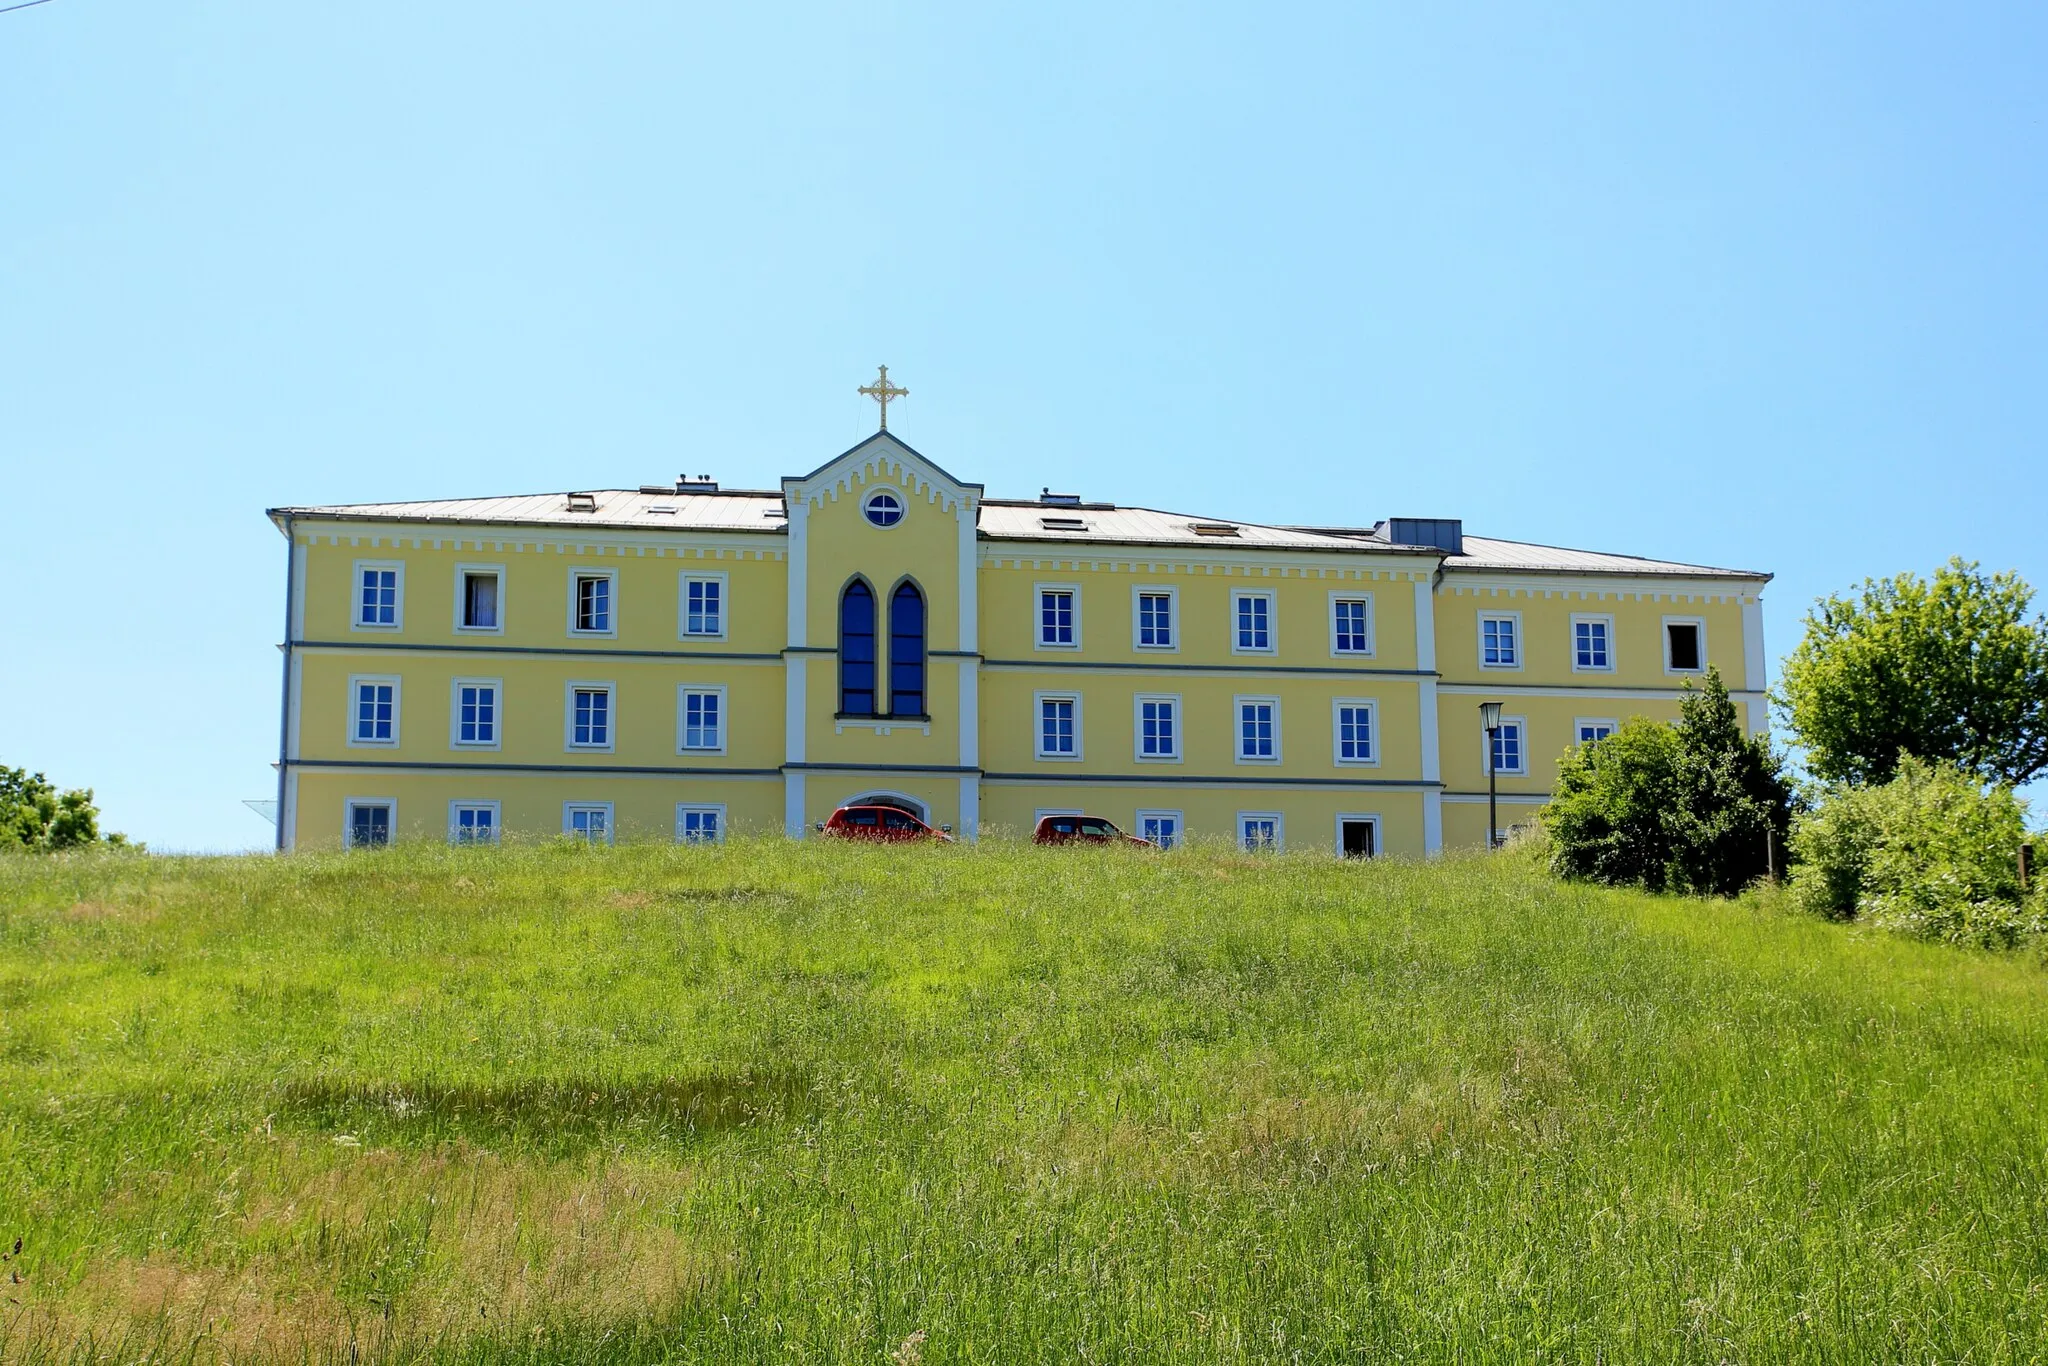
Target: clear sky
<point x="1755" y="285"/>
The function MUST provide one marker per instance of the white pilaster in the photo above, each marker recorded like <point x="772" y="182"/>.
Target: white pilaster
<point x="798" y="611"/>
<point x="970" y="807"/>
<point x="970" y="579"/>
<point x="796" y="669"/>
<point x="793" y="805"/>
<point x="1433" y="822"/>
<point x="1754" y="668"/>
<point x="1426" y="716"/>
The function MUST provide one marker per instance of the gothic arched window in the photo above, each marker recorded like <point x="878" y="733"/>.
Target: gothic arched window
<point x="906" y="651"/>
<point x="857" y="650"/>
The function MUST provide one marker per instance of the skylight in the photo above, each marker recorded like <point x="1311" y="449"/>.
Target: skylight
<point x="1063" y="524"/>
<point x="582" y="502"/>
<point x="1214" y="529"/>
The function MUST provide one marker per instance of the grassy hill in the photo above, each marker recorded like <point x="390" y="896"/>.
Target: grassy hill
<point x="793" y="1103"/>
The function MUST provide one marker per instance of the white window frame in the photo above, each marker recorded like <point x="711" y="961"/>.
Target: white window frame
<point x="1237" y="705"/>
<point x="1038" y="701"/>
<point x="1486" y="749"/>
<point x="355" y="601"/>
<point x="1338" y="595"/>
<point x="683" y="691"/>
<point x="700" y="808"/>
<point x="611" y="827"/>
<point x="497" y="820"/>
<point x="1179" y="819"/>
<point x="1603" y="619"/>
<point x="1140" y="591"/>
<point x="397" y="710"/>
<point x="683" y="582"/>
<point x="1279" y="843"/>
<point x="1180" y="727"/>
<point x="873" y="491"/>
<point x="592" y="571"/>
<point x="1479" y="639"/>
<point x="611" y="729"/>
<point x="1042" y="812"/>
<point x="348" y="819"/>
<point x="455" y="687"/>
<point x="1371" y="818"/>
<point x="1579" y="723"/>
<point x="1337" y="706"/>
<point x="1038" y="592"/>
<point x="1272" y="645"/>
<point x="462" y="573"/>
<point x="1699" y="624"/>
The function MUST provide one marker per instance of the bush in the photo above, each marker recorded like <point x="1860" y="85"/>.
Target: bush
<point x="1932" y="853"/>
<point x="1684" y="808"/>
<point x="34" y="815"/>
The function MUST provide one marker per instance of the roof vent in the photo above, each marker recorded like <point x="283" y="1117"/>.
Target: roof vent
<point x="1214" y="529"/>
<point x="1065" y="500"/>
<point x="652" y="489"/>
<point x="1063" y="524"/>
<point x="697" y="483"/>
<point x="775" y="512"/>
<point x="1442" y="533"/>
<point x="582" y="502"/>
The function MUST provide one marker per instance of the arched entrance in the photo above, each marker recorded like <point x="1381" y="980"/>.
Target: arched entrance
<point x="901" y="801"/>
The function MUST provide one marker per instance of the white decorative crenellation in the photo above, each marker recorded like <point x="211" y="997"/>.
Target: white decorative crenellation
<point x="895" y="468"/>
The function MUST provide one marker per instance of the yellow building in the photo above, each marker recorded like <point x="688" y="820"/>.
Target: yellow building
<point x="681" y="661"/>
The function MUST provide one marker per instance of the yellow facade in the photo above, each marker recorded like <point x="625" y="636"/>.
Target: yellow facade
<point x="1306" y="678"/>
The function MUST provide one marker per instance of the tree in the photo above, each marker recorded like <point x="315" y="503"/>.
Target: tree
<point x="1951" y="671"/>
<point x="1687" y="808"/>
<point x="35" y="815"/>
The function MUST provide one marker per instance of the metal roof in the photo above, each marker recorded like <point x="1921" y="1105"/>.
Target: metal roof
<point x="1484" y="553"/>
<point x="1008" y="521"/>
<point x="616" y="509"/>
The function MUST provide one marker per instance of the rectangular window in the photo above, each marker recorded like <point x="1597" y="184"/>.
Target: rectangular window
<point x="1589" y="731"/>
<point x="1154" y="619"/>
<point x="478" y="594"/>
<point x="368" y="823"/>
<point x="591" y="821"/>
<point x="1059" y="726"/>
<point x="373" y="711"/>
<point x="476" y="713"/>
<point x="1258" y="830"/>
<point x="591" y="594"/>
<point x="1509" y="751"/>
<point x="1350" y="625"/>
<point x="1358" y="836"/>
<point x="472" y="822"/>
<point x="1059" y="618"/>
<point x="1158" y="722"/>
<point x="703" y="599"/>
<point x="379" y="595"/>
<point x="590" y="716"/>
<point x="1353" y="723"/>
<point x="1500" y="641"/>
<point x="699" y="824"/>
<point x="700" y="719"/>
<point x="1258" y="729"/>
<point x="1685" y="647"/>
<point x="1592" y="650"/>
<point x="1252" y="623"/>
<point x="1160" y="827"/>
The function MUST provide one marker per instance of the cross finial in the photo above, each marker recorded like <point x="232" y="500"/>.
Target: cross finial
<point x="881" y="391"/>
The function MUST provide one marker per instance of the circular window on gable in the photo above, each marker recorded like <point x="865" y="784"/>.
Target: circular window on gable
<point x="883" y="507"/>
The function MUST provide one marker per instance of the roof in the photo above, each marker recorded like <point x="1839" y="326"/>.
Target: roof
<point x="1004" y="520"/>
<point x="615" y="509"/>
<point x="1484" y="552"/>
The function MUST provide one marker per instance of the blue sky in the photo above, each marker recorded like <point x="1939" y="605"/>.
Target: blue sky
<point x="1746" y="284"/>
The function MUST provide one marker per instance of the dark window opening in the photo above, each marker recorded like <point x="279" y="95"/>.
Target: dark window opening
<point x="906" y="651"/>
<point x="1685" y="645"/>
<point x="857" y="650"/>
<point x="1359" y="839"/>
<point x="480" y="601"/>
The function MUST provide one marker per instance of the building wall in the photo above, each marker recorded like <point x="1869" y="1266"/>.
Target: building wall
<point x="971" y="756"/>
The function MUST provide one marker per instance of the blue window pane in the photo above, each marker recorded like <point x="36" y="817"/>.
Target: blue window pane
<point x="906" y="652"/>
<point x="857" y="650"/>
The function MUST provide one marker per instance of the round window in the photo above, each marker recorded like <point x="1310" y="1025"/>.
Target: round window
<point x="883" y="508"/>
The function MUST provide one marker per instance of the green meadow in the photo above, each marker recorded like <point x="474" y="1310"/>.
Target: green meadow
<point x="808" y="1102"/>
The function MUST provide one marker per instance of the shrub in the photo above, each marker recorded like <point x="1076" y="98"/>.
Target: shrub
<point x="1684" y="808"/>
<point x="34" y="815"/>
<point x="1932" y="853"/>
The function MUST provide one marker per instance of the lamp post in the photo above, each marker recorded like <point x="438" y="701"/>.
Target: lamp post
<point x="1489" y="717"/>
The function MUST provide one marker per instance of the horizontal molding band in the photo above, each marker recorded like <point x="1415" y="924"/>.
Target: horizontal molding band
<point x="569" y="651"/>
<point x="956" y="769"/>
<point x="1065" y="666"/>
<point x="1163" y="780"/>
<point x="1581" y="690"/>
<point x="1480" y="798"/>
<point x="432" y="765"/>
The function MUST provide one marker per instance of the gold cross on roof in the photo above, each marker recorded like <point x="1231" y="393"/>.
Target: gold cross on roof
<point x="881" y="391"/>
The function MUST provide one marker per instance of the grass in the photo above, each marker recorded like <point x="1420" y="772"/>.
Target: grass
<point x="808" y="1102"/>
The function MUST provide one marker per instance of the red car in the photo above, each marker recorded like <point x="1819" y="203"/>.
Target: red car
<point x="887" y="823"/>
<point x="1081" y="830"/>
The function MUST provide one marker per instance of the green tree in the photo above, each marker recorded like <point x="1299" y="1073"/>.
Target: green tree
<point x="1684" y="808"/>
<point x="35" y="815"/>
<point x="1953" y="671"/>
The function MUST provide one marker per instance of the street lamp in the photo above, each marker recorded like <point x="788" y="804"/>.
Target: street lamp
<point x="1489" y="717"/>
